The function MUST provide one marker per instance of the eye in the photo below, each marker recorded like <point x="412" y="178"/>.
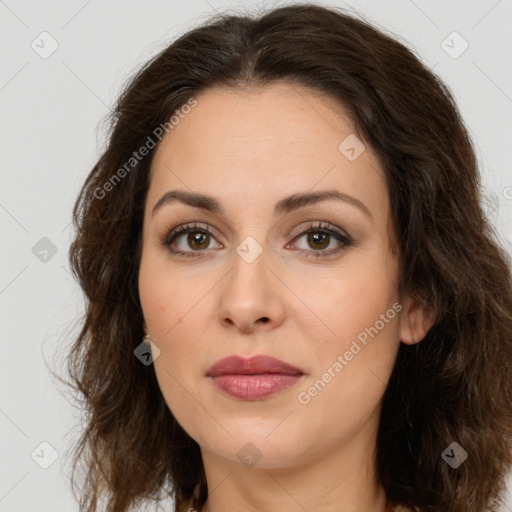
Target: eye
<point x="320" y="237"/>
<point x="198" y="239"/>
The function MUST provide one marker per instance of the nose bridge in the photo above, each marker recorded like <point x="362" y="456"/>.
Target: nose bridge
<point x="250" y="264"/>
<point x="252" y="247"/>
<point x="249" y="293"/>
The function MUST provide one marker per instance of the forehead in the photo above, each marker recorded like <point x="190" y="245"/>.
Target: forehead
<point x="260" y="144"/>
<point x="256" y="122"/>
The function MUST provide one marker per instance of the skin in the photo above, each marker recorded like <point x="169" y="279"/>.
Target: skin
<point x="249" y="149"/>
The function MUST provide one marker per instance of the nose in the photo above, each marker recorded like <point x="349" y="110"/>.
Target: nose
<point x="252" y="296"/>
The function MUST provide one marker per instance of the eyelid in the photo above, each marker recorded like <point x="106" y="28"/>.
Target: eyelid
<point x="323" y="226"/>
<point x="171" y="233"/>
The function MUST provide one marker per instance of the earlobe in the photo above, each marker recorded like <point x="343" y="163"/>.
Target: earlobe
<point x="415" y="321"/>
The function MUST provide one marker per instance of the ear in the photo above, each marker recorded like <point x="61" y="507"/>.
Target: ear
<point x="415" y="321"/>
<point x="145" y="328"/>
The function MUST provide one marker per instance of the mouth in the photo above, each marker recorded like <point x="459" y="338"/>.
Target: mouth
<point x="253" y="379"/>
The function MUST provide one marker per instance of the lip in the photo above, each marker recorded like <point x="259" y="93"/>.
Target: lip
<point x="254" y="378"/>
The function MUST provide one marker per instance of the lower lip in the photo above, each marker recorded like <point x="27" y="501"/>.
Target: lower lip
<point x="254" y="387"/>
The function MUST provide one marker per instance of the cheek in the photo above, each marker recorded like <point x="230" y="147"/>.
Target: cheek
<point x="350" y="301"/>
<point x="164" y="315"/>
<point x="169" y="314"/>
<point x="166" y="297"/>
<point x="174" y="307"/>
<point x="359" y="313"/>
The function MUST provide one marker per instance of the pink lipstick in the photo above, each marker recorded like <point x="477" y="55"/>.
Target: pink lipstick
<point x="254" y="378"/>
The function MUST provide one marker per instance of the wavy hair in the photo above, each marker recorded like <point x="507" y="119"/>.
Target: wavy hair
<point x="454" y="386"/>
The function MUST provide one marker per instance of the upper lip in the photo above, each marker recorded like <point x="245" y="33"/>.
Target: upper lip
<point x="256" y="365"/>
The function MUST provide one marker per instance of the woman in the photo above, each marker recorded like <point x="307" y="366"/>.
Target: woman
<point x="295" y="301"/>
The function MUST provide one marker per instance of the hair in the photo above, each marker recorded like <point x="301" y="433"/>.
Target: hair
<point x="454" y="386"/>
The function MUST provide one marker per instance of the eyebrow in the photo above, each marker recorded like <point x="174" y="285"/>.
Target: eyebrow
<point x="286" y="205"/>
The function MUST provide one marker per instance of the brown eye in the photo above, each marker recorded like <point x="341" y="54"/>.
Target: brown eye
<point x="194" y="244"/>
<point x="319" y="238"/>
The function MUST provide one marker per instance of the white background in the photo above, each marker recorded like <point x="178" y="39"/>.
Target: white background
<point x="50" y="137"/>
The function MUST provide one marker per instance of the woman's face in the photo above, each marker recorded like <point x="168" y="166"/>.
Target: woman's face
<point x="325" y="302"/>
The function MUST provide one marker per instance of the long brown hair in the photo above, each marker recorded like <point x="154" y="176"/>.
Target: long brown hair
<point x="454" y="386"/>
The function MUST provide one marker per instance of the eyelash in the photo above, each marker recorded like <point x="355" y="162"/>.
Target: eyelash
<point x="313" y="228"/>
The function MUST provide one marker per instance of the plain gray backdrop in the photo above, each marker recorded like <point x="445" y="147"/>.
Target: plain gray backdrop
<point x="63" y="64"/>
